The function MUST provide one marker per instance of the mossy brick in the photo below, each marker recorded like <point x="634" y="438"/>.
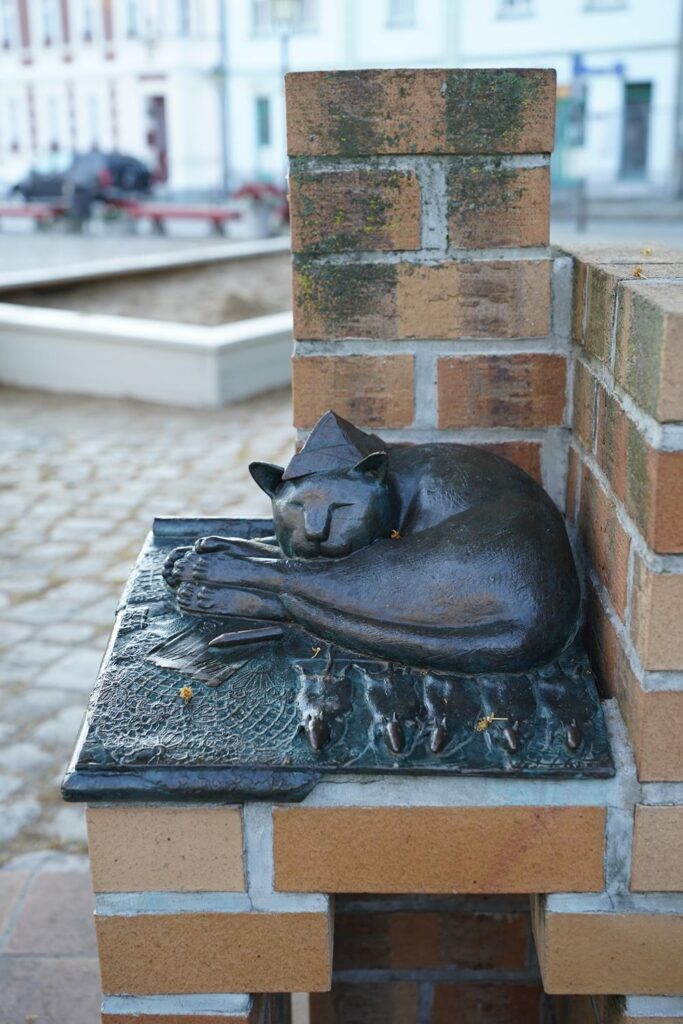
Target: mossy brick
<point x="656" y="616"/>
<point x="583" y="422"/>
<point x="652" y="717"/>
<point x="595" y="298"/>
<point x="607" y="543"/>
<point x="408" y="111"/>
<point x="654" y="492"/>
<point x="372" y="391"/>
<point x="361" y="209"/>
<point x="649" y="351"/>
<point x="449" y="300"/>
<point x="522" y="390"/>
<point x="611" y="440"/>
<point x="490" y="204"/>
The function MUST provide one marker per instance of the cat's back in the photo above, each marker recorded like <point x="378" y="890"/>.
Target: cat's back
<point x="435" y="481"/>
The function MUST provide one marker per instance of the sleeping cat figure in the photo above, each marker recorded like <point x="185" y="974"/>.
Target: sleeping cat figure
<point x="438" y="556"/>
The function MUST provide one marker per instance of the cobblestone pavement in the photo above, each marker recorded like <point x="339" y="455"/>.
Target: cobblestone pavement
<point x="80" y="481"/>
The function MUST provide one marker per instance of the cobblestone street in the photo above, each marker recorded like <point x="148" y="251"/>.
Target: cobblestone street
<point x="81" y="480"/>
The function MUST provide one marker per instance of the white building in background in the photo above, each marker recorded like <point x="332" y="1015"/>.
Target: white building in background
<point x="194" y="87"/>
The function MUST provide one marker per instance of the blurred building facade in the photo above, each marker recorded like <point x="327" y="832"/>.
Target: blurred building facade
<point x="194" y="87"/>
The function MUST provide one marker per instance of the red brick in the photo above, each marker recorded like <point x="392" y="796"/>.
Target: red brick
<point x="479" y="299"/>
<point x="611" y="441"/>
<point x="654" y="493"/>
<point x="584" y="405"/>
<point x="356" y="113"/>
<point x="656" y="615"/>
<point x="364" y="209"/>
<point x="649" y="356"/>
<point x="392" y="1002"/>
<point x="415" y="940"/>
<point x="482" y="1003"/>
<point x="501" y="391"/>
<point x="372" y="391"/>
<point x="652" y="717"/>
<point x="607" y="543"/>
<point x="497" y="206"/>
<point x="525" y="454"/>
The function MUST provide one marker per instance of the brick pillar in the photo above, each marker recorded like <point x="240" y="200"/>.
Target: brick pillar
<point x="422" y="274"/>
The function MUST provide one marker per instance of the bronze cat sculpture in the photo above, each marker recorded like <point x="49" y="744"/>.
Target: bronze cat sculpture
<point x="444" y="557"/>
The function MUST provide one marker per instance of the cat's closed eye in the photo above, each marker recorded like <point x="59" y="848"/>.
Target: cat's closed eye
<point x="342" y="504"/>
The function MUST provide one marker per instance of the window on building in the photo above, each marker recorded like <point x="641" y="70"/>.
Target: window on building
<point x="93" y="121"/>
<point x="8" y="23"/>
<point x="52" y="119"/>
<point x="184" y="18"/>
<point x="516" y="8"/>
<point x="264" y="20"/>
<point x="576" y="124"/>
<point x="13" y="124"/>
<point x="605" y="5"/>
<point x="88" y="20"/>
<point x="401" y="14"/>
<point x="50" y="17"/>
<point x="636" y="131"/>
<point x="262" y="121"/>
<point x="132" y="26"/>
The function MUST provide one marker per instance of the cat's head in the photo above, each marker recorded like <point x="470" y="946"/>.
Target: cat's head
<point x="328" y="514"/>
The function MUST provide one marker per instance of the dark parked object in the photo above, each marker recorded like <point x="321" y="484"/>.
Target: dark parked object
<point x="104" y="175"/>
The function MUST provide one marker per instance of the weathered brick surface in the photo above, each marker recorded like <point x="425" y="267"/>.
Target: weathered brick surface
<point x="357" y="113"/>
<point x="584" y="405"/>
<point x="501" y="391"/>
<point x="612" y="429"/>
<point x="606" y="541"/>
<point x="595" y="298"/>
<point x="649" y="354"/>
<point x="425" y="849"/>
<point x="652" y="717"/>
<point x="573" y="471"/>
<point x="657" y="858"/>
<point x="481" y="299"/>
<point x="366" y="209"/>
<point x="372" y="391"/>
<point x="654" y="493"/>
<point x="656" y="617"/>
<point x="486" y="1003"/>
<point x="174" y="849"/>
<point x="490" y="205"/>
<point x="391" y="1002"/>
<point x="416" y="940"/>
<point x="149" y="954"/>
<point x="525" y="454"/>
<point x="636" y="953"/>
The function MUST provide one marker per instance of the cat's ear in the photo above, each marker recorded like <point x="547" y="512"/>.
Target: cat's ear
<point x="375" y="465"/>
<point x="267" y="477"/>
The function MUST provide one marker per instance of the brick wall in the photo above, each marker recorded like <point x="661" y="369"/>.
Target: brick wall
<point x="423" y="280"/>
<point x="626" y="498"/>
<point x="408" y="959"/>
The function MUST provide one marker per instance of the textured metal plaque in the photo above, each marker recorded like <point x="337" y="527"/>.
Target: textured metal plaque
<point x="191" y="707"/>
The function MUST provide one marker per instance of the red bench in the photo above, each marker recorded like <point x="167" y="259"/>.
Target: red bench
<point x="158" y="213"/>
<point x="41" y="213"/>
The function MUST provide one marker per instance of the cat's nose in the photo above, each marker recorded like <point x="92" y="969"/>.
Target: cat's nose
<point x="316" y="523"/>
